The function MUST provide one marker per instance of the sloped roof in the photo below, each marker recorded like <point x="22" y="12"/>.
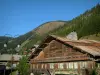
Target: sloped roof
<point x="89" y="46"/>
<point x="8" y="57"/>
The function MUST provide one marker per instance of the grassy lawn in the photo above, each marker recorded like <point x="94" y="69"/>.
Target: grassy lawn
<point x="14" y="73"/>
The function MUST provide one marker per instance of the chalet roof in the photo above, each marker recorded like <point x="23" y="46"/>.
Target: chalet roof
<point x="8" y="57"/>
<point x="92" y="48"/>
<point x="89" y="46"/>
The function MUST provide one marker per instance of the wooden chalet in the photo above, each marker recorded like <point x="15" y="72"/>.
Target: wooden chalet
<point x="60" y="56"/>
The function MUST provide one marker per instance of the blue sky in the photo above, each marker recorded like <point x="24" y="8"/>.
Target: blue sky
<point x="18" y="17"/>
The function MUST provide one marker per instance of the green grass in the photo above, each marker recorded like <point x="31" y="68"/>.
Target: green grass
<point x="13" y="73"/>
<point x="92" y="37"/>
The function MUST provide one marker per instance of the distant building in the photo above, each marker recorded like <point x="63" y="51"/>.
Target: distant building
<point x="8" y="58"/>
<point x="34" y="47"/>
<point x="31" y="50"/>
<point x="58" y="55"/>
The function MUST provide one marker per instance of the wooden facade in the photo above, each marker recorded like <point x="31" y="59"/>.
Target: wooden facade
<point x="59" y="57"/>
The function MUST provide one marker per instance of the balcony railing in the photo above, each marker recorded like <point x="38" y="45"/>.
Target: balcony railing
<point x="62" y="59"/>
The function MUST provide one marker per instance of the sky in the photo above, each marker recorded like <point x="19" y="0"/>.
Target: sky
<point x="18" y="17"/>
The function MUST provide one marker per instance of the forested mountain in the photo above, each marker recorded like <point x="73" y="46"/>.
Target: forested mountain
<point x="41" y="32"/>
<point x="48" y="26"/>
<point x="86" y="25"/>
<point x="4" y="40"/>
<point x="27" y="40"/>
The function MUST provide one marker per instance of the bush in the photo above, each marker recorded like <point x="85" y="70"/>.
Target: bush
<point x="94" y="72"/>
<point x="23" y="66"/>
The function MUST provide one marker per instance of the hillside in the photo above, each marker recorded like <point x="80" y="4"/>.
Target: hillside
<point x="28" y="39"/>
<point x="87" y="26"/>
<point x="49" y="26"/>
<point x="41" y="32"/>
<point x="92" y="37"/>
<point x="4" y="40"/>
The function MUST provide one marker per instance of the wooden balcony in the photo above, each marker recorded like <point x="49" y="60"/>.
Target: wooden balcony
<point x="63" y="59"/>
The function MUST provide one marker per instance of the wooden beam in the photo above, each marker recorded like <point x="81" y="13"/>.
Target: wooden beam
<point x="40" y="48"/>
<point x="35" y="54"/>
<point x="46" y="43"/>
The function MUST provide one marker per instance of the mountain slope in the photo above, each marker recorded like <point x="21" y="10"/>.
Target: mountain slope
<point x="48" y="26"/>
<point x="4" y="40"/>
<point x="85" y="24"/>
<point x="41" y="32"/>
<point x="27" y="40"/>
<point x="92" y="37"/>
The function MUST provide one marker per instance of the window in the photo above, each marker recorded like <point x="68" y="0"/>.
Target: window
<point x="83" y="64"/>
<point x="98" y="65"/>
<point x="42" y="66"/>
<point x="75" y="65"/>
<point x="61" y="66"/>
<point x="45" y="66"/>
<point x="33" y="66"/>
<point x="71" y="65"/>
<point x="37" y="66"/>
<point x="51" y="66"/>
<point x="67" y="64"/>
